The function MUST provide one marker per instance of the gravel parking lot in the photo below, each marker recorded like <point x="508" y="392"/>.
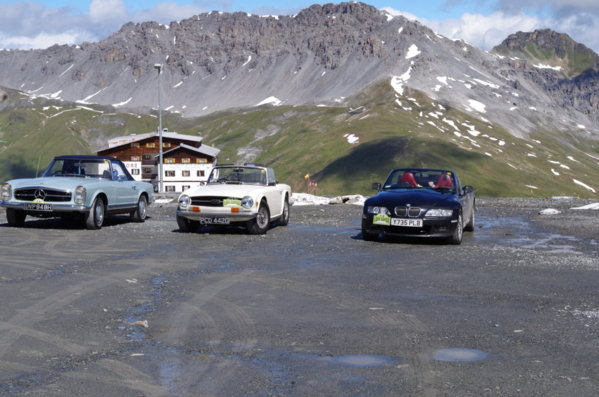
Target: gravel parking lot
<point x="307" y="310"/>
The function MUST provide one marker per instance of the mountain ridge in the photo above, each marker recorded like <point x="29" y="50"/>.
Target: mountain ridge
<point x="326" y="92"/>
<point x="322" y="55"/>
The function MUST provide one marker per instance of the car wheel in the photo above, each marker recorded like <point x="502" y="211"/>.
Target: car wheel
<point x="470" y="225"/>
<point x="284" y="219"/>
<point x="141" y="212"/>
<point x="187" y="225"/>
<point x="260" y="224"/>
<point x="15" y="218"/>
<point x="95" y="218"/>
<point x="458" y="233"/>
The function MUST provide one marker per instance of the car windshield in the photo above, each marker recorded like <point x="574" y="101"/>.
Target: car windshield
<point x="420" y="179"/>
<point x="82" y="168"/>
<point x="238" y="175"/>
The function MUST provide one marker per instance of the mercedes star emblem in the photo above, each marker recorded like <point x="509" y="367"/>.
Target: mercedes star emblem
<point x="39" y="194"/>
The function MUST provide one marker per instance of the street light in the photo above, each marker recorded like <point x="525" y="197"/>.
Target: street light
<point x="158" y="67"/>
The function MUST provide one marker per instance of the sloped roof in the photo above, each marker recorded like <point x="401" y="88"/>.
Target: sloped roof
<point x="204" y="149"/>
<point x="127" y="139"/>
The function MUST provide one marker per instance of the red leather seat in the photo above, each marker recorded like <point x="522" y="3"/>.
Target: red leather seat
<point x="409" y="178"/>
<point x="445" y="182"/>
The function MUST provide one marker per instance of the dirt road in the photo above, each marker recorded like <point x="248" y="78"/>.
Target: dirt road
<point x="307" y="310"/>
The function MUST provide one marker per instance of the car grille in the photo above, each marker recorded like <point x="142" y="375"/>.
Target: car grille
<point x="208" y="201"/>
<point x="49" y="195"/>
<point x="412" y="212"/>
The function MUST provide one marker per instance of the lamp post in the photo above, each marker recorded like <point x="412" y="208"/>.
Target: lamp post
<point x="158" y="67"/>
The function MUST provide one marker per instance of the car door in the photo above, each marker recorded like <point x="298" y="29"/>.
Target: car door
<point x="125" y="190"/>
<point x="466" y="199"/>
<point x="273" y="194"/>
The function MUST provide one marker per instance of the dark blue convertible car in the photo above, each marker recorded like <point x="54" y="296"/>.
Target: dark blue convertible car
<point x="419" y="202"/>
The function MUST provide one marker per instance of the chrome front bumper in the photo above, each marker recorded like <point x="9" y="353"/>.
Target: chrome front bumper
<point x="218" y="212"/>
<point x="56" y="207"/>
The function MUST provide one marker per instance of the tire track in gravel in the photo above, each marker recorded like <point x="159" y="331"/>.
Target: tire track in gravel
<point x="228" y="317"/>
<point x="420" y="368"/>
<point x="23" y="324"/>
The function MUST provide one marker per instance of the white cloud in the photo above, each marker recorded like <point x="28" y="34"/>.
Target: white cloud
<point x="166" y="12"/>
<point x="487" y="31"/>
<point x="45" y="40"/>
<point x="29" y="25"/>
<point x="101" y="11"/>
<point x="558" y="7"/>
<point x="484" y="31"/>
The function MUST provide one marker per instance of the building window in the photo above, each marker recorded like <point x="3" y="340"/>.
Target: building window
<point x="169" y="188"/>
<point x="185" y="173"/>
<point x="135" y="144"/>
<point x="147" y="170"/>
<point x="169" y="160"/>
<point x="200" y="173"/>
<point x="185" y="160"/>
<point x="201" y="160"/>
<point x="135" y="158"/>
<point x="135" y="171"/>
<point x="185" y="187"/>
<point x="147" y="156"/>
<point x="169" y="173"/>
<point x="166" y="144"/>
<point x="150" y="144"/>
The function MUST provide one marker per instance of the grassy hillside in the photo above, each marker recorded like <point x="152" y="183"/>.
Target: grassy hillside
<point x="342" y="149"/>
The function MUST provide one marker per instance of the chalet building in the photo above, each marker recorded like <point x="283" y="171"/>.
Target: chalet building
<point x="185" y="160"/>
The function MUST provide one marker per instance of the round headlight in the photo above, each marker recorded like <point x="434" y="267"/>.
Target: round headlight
<point x="5" y="192"/>
<point x="247" y="202"/>
<point x="378" y="210"/>
<point x="80" y="193"/>
<point x="184" y="201"/>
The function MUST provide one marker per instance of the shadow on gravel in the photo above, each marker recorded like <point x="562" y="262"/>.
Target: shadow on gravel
<point x="71" y="223"/>
<point x="409" y="240"/>
<point x="222" y="230"/>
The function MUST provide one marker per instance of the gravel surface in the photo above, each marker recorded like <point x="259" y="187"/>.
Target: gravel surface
<point x="309" y="309"/>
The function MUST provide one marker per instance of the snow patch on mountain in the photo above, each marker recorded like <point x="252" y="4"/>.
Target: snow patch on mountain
<point x="271" y="100"/>
<point x="477" y="106"/>
<point x="413" y="52"/>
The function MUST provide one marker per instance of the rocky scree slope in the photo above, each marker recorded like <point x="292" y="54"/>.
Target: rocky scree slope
<point x="322" y="55"/>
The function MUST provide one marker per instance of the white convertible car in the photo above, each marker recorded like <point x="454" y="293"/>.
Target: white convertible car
<point x="246" y="195"/>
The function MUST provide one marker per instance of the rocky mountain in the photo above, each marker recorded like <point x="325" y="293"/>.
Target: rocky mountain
<point x="550" y="50"/>
<point x="322" y="55"/>
<point x="335" y="90"/>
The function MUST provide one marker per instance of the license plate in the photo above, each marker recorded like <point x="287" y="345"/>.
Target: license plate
<point x="214" y="221"/>
<point x="404" y="222"/>
<point x="38" y="207"/>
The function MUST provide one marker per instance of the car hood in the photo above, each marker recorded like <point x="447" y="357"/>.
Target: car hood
<point x="416" y="197"/>
<point x="55" y="182"/>
<point x="225" y="190"/>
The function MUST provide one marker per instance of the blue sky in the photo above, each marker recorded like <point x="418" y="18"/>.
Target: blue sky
<point x="484" y="23"/>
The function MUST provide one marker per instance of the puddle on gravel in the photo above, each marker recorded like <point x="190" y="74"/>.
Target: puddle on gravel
<point x="134" y="322"/>
<point x="361" y="360"/>
<point x="459" y="355"/>
<point x="519" y="232"/>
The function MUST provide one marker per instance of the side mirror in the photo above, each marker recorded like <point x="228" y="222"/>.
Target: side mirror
<point x="468" y="189"/>
<point x="376" y="186"/>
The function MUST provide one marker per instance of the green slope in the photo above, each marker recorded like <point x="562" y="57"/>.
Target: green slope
<point x="307" y="143"/>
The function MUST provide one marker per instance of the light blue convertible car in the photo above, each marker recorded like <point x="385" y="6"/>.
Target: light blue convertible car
<point x="77" y="187"/>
